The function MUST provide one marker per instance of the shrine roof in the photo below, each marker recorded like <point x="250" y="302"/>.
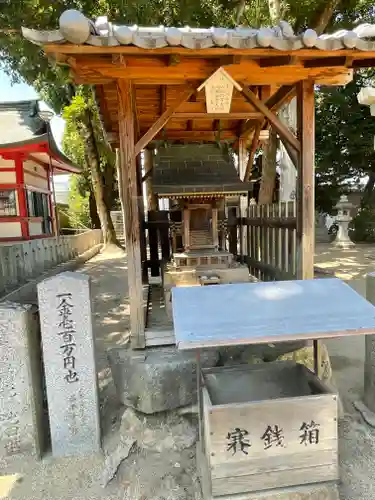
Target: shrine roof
<point x="76" y="29"/>
<point x="22" y="126"/>
<point x="159" y="63"/>
<point x="195" y="170"/>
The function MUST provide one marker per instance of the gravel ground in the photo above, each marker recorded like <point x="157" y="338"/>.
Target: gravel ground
<point x="169" y="474"/>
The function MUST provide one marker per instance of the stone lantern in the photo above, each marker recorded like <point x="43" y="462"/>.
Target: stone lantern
<point x="343" y="218"/>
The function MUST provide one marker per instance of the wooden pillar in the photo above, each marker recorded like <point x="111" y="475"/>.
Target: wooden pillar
<point x="131" y="216"/>
<point x="21" y="196"/>
<point x="141" y="211"/>
<point x="305" y="180"/>
<point x="186" y="229"/>
<point x="306" y="191"/>
<point x="152" y="200"/>
<point x="242" y="164"/>
<point x="215" y="232"/>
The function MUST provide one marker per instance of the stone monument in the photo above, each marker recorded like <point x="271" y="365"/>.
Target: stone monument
<point x="343" y="218"/>
<point x="21" y="394"/>
<point x="69" y="358"/>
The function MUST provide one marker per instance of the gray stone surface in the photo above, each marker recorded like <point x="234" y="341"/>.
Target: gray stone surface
<point x="71" y="378"/>
<point x="157" y="379"/>
<point x="258" y="352"/>
<point x="21" y="394"/>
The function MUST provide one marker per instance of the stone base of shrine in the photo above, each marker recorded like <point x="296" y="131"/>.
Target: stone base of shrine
<point x="157" y="379"/>
<point x="201" y="275"/>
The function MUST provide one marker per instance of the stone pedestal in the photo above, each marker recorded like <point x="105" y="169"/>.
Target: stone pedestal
<point x="21" y="394"/>
<point x="157" y="379"/>
<point x="69" y="357"/>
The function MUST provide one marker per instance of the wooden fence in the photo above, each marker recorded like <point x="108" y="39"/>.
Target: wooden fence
<point x="266" y="241"/>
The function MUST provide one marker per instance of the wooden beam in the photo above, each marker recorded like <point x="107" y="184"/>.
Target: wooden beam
<point x="209" y="52"/>
<point x="163" y="99"/>
<point x="325" y="62"/>
<point x="274" y="102"/>
<point x="201" y="69"/>
<point x="160" y="122"/>
<point x="218" y="116"/>
<point x="131" y="219"/>
<point x="279" y="61"/>
<point x="188" y="135"/>
<point x="305" y="180"/>
<point x="253" y="148"/>
<point x="280" y="128"/>
<point x="196" y="135"/>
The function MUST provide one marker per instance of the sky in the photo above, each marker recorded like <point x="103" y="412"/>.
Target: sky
<point x="23" y="92"/>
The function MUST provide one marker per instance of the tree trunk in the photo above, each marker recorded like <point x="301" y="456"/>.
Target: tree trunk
<point x="274" y="8"/>
<point x="109" y="235"/>
<point x="288" y="171"/>
<point x="95" y="221"/>
<point x="267" y="183"/>
<point x="368" y="192"/>
<point x="323" y="16"/>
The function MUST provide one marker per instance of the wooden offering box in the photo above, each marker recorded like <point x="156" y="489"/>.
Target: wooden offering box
<point x="265" y="426"/>
<point x="270" y="426"/>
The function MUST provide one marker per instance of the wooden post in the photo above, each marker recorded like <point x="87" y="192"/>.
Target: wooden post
<point x="305" y="180"/>
<point x="21" y="196"/>
<point x="131" y="219"/>
<point x="186" y="229"/>
<point x="215" y="232"/>
<point x="153" y="242"/>
<point x="141" y="212"/>
<point x="242" y="164"/>
<point x="306" y="191"/>
<point x="152" y="201"/>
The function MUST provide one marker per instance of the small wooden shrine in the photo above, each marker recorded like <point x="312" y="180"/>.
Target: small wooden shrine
<point x="198" y="179"/>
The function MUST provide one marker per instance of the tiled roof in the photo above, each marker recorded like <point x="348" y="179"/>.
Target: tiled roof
<point x="75" y="28"/>
<point x="195" y="169"/>
<point x="22" y="123"/>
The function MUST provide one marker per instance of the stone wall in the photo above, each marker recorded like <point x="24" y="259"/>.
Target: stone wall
<point x="25" y="261"/>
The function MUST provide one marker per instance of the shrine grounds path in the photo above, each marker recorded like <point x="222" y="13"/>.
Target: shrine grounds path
<point x="79" y="479"/>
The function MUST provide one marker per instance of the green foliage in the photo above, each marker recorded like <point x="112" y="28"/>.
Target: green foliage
<point x="64" y="221"/>
<point x="363" y="225"/>
<point x="345" y="134"/>
<point x="79" y="206"/>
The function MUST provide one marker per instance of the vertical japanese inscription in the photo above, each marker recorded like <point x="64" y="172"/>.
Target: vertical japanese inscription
<point x="66" y="332"/>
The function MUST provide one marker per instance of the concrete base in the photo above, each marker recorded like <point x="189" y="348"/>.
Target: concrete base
<point x="157" y="379"/>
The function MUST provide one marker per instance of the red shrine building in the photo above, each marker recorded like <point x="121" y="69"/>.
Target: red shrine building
<point x="29" y="158"/>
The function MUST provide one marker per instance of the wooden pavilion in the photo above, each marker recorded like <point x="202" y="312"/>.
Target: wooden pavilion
<point x="149" y="85"/>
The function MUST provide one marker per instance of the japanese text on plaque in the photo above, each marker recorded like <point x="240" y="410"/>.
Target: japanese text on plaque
<point x="66" y="332"/>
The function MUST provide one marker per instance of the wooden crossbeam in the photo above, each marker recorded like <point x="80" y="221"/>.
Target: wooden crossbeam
<point x="160" y="122"/>
<point x="274" y="102"/>
<point x="219" y="116"/>
<point x="280" y="128"/>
